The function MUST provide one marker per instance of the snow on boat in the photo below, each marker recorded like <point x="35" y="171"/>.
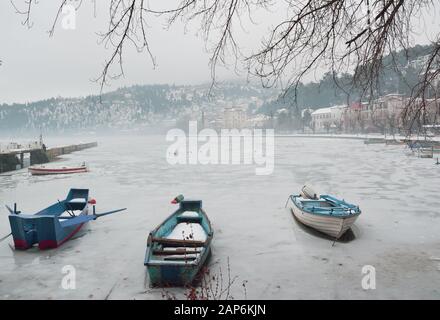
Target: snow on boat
<point x="54" y="225"/>
<point x="323" y="213"/>
<point x="42" y="170"/>
<point x="179" y="247"/>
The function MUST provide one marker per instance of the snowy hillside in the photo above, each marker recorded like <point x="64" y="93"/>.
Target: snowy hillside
<point x="126" y="108"/>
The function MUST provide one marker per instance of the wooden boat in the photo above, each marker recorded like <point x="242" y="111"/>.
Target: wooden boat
<point x="42" y="170"/>
<point x="54" y="225"/>
<point x="179" y="247"/>
<point x="323" y="213"/>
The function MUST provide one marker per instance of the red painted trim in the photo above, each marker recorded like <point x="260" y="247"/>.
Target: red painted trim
<point x="65" y="170"/>
<point x="20" y="244"/>
<point x="49" y="244"/>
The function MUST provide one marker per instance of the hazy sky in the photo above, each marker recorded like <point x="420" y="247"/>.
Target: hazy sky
<point x="36" y="66"/>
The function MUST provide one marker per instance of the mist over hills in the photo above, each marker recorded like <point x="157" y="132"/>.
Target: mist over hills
<point x="130" y="107"/>
<point x="147" y="106"/>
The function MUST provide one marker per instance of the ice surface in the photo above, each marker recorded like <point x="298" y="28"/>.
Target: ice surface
<point x="397" y="232"/>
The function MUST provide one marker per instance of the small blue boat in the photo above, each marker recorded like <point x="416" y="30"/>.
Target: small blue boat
<point x="54" y="225"/>
<point x="324" y="213"/>
<point x="179" y="247"/>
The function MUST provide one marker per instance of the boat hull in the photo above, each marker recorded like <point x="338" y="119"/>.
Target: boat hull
<point x="45" y="231"/>
<point x="63" y="235"/>
<point x="51" y="227"/>
<point x="332" y="226"/>
<point x="176" y="275"/>
<point x="47" y="171"/>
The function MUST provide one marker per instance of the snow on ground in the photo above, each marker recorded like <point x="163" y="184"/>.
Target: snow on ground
<point x="397" y="232"/>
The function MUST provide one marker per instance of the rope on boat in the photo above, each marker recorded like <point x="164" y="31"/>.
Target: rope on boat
<point x="66" y="204"/>
<point x="5" y="237"/>
<point x="287" y="201"/>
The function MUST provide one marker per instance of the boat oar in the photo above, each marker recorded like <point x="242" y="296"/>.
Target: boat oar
<point x="287" y="201"/>
<point x="14" y="211"/>
<point x="5" y="237"/>
<point x="97" y="215"/>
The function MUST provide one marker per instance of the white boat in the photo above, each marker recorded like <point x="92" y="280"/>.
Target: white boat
<point x="42" y="170"/>
<point x="323" y="213"/>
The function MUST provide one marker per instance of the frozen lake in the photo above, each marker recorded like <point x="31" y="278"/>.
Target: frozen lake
<point x="398" y="232"/>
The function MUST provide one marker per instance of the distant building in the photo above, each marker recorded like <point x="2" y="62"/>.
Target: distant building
<point x="259" y="121"/>
<point x="329" y="119"/>
<point x="380" y="115"/>
<point x="420" y="62"/>
<point x="234" y="117"/>
<point x="355" y="117"/>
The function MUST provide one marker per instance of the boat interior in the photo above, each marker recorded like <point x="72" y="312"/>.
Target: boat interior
<point x="321" y="203"/>
<point x="184" y="241"/>
<point x="75" y="201"/>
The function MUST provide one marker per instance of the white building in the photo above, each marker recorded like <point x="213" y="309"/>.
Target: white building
<point x="259" y="121"/>
<point x="234" y="117"/>
<point x="328" y="119"/>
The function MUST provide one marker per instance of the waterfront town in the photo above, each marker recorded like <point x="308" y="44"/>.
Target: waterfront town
<point x="385" y="115"/>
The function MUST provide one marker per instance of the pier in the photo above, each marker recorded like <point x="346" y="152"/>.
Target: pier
<point x="53" y="153"/>
<point x="10" y="159"/>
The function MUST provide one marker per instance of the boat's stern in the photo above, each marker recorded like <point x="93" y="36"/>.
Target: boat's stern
<point x="171" y="275"/>
<point x="28" y="230"/>
<point x="24" y="231"/>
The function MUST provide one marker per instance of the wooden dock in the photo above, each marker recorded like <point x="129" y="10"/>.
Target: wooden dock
<point x="53" y="153"/>
<point x="10" y="159"/>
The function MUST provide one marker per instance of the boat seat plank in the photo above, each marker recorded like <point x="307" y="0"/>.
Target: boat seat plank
<point x="177" y="257"/>
<point x="175" y="252"/>
<point x="173" y="249"/>
<point x="77" y="200"/>
<point x="179" y="242"/>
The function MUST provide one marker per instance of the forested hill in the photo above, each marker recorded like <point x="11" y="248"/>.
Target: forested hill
<point x="127" y="107"/>
<point x="326" y="92"/>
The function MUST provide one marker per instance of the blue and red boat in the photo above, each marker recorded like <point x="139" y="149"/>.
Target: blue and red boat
<point x="54" y="225"/>
<point x="180" y="246"/>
